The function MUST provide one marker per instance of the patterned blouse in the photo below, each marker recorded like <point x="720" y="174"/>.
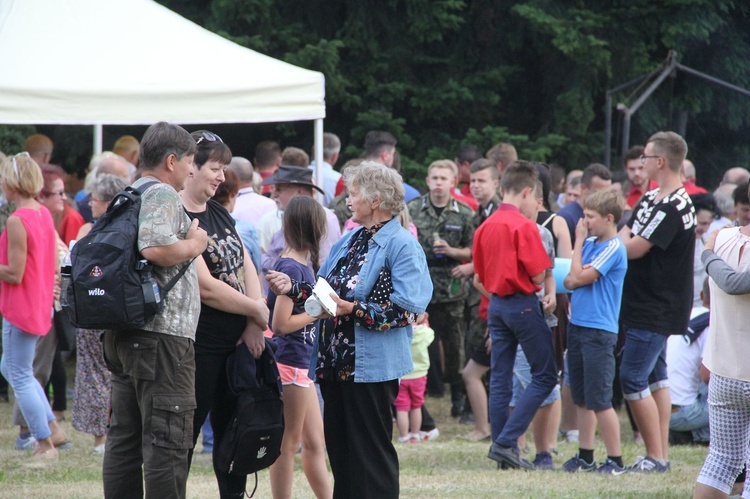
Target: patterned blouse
<point x="336" y="353"/>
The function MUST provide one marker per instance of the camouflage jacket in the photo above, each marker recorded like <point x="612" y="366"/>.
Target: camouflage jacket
<point x="454" y="226"/>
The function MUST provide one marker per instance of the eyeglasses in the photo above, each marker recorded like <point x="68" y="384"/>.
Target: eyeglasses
<point x="15" y="165"/>
<point x="211" y="137"/>
<point x="644" y="157"/>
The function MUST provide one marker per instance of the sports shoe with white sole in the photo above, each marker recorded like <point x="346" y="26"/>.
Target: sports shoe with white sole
<point x="576" y="464"/>
<point x="610" y="467"/>
<point x="648" y="465"/>
<point x="28" y="443"/>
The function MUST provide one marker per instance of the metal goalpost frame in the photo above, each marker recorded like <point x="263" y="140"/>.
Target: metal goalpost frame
<point x="670" y="66"/>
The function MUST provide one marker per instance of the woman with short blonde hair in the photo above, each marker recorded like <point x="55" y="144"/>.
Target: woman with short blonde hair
<point x="28" y="268"/>
<point x="381" y="283"/>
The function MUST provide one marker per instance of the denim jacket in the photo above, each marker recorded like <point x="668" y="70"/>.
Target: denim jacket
<point x="385" y="355"/>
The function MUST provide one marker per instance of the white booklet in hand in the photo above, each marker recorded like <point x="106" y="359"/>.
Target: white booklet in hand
<point x="322" y="292"/>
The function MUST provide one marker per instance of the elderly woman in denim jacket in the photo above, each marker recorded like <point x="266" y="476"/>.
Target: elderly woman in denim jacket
<point x="380" y="277"/>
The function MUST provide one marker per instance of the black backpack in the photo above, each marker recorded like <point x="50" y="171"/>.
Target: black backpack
<point x="109" y="285"/>
<point x="252" y="440"/>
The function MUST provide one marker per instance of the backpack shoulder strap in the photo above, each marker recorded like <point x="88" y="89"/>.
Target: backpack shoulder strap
<point x="141" y="190"/>
<point x="177" y="277"/>
<point x="553" y="215"/>
<point x="143" y="187"/>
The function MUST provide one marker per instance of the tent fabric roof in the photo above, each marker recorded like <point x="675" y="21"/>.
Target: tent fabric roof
<point x="82" y="62"/>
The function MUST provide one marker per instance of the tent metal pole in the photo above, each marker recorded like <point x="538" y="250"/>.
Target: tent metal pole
<point x="318" y="148"/>
<point x="608" y="130"/>
<point x="98" y="138"/>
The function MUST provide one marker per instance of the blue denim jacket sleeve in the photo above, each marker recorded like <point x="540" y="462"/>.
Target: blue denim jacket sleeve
<point x="412" y="286"/>
<point x="385" y="355"/>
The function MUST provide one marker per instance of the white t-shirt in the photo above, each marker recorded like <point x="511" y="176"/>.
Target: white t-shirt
<point x="684" y="364"/>
<point x="251" y="206"/>
<point x="269" y="224"/>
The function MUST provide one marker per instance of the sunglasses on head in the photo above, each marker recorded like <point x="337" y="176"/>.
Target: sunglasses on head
<point x="15" y="165"/>
<point x="211" y="137"/>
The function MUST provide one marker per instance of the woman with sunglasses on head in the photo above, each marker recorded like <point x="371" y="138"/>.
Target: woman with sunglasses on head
<point x="232" y="310"/>
<point x="28" y="267"/>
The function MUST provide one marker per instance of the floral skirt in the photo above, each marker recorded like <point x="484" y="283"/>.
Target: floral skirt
<point x="92" y="402"/>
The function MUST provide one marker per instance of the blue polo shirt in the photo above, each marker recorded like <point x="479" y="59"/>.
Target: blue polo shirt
<point x="597" y="305"/>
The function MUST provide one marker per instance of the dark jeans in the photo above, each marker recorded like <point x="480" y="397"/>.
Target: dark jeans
<point x="358" y="432"/>
<point x="514" y="320"/>
<point x="212" y="393"/>
<point x="151" y="428"/>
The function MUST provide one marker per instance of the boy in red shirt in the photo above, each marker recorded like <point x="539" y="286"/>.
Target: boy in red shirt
<point x="510" y="263"/>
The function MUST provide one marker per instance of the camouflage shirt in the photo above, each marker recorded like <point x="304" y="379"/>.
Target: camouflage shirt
<point x="483" y="213"/>
<point x="454" y="225"/>
<point x="163" y="221"/>
<point x="339" y="207"/>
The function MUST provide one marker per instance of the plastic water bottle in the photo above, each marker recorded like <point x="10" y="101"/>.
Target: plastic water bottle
<point x="313" y="307"/>
<point x="65" y="276"/>
<point x="437" y="241"/>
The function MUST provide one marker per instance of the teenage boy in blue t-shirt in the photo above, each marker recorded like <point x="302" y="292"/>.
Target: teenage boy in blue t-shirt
<point x="597" y="272"/>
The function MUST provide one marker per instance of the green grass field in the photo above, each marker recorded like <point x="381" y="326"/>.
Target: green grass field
<point x="446" y="467"/>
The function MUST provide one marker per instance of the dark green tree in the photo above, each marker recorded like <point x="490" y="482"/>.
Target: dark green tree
<point x="442" y="73"/>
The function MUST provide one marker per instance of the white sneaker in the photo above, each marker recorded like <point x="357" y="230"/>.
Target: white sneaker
<point x="572" y="436"/>
<point x="429" y="435"/>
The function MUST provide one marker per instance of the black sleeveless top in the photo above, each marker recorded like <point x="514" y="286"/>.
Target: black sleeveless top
<point x="544" y="218"/>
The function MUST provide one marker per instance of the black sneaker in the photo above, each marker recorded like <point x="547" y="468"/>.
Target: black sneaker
<point x="648" y="465"/>
<point x="543" y="461"/>
<point x="575" y="464"/>
<point x="610" y="467"/>
<point x="508" y="457"/>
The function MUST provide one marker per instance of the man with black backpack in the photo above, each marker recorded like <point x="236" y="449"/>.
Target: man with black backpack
<point x="153" y="367"/>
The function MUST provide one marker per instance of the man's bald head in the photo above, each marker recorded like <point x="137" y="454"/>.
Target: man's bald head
<point x="39" y="147"/>
<point x="114" y="165"/>
<point x="736" y="175"/>
<point x="127" y="147"/>
<point x="244" y="170"/>
<point x="688" y="170"/>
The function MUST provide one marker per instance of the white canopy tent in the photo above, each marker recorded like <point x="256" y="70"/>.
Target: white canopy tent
<point x="95" y="62"/>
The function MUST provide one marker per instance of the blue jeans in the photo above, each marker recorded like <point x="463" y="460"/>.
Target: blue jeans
<point x="517" y="320"/>
<point x="17" y="367"/>
<point x="644" y="364"/>
<point x="693" y="417"/>
<point x="208" y="433"/>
